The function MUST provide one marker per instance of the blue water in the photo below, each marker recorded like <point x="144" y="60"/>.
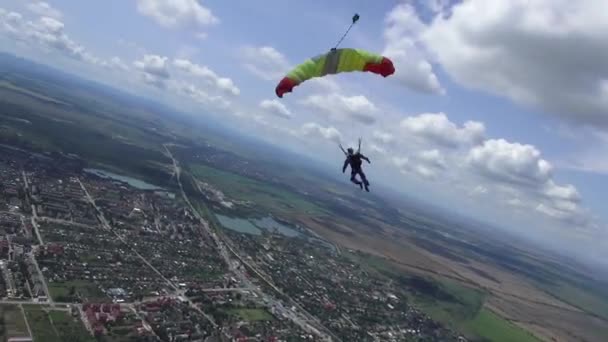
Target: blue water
<point x="271" y="225"/>
<point x="238" y="225"/>
<point x="134" y="182"/>
<point x="255" y="227"/>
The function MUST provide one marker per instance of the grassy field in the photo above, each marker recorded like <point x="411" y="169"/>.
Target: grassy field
<point x="51" y="326"/>
<point x="268" y="197"/>
<point x="69" y="328"/>
<point x="12" y="322"/>
<point x="85" y="289"/>
<point x="488" y="325"/>
<point x="251" y="315"/>
<point x="8" y="85"/>
<point x="456" y="305"/>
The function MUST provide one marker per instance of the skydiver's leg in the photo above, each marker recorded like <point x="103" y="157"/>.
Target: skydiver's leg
<point x="353" y="179"/>
<point x="364" y="179"/>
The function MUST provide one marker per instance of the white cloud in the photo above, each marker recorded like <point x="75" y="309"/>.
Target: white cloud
<point x="341" y="107"/>
<point x="551" y="54"/>
<point x="155" y="65"/>
<point x="200" y="71"/>
<point x="403" y="28"/>
<point x="383" y="137"/>
<point x="314" y="129"/>
<point x="519" y="169"/>
<point x="427" y="164"/>
<point x="265" y="62"/>
<point x="177" y="13"/>
<point x="510" y="162"/>
<point x="437" y="129"/>
<point x="426" y="169"/>
<point x="46" y="33"/>
<point x="117" y="63"/>
<point x="43" y="9"/>
<point x="154" y="69"/>
<point x="276" y="108"/>
<point x="433" y="158"/>
<point x="199" y="95"/>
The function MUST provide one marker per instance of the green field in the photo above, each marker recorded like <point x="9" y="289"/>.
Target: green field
<point x="449" y="302"/>
<point x="268" y="197"/>
<point x="251" y="315"/>
<point x="54" y="326"/>
<point x="488" y="325"/>
<point x="87" y="290"/>
<point x="12" y="322"/>
<point x="588" y="301"/>
<point x="9" y="85"/>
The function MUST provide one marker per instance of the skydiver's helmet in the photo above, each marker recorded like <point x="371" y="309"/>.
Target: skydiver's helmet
<point x="350" y="150"/>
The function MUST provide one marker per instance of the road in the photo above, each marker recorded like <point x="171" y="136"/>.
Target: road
<point x="42" y="278"/>
<point x="302" y="322"/>
<point x="106" y="225"/>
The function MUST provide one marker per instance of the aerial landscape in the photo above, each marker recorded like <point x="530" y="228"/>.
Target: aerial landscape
<point x="173" y="198"/>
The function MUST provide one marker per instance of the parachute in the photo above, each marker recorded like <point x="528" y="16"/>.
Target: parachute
<point x="334" y="62"/>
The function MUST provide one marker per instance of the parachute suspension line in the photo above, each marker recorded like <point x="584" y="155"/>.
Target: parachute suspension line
<point x="355" y="19"/>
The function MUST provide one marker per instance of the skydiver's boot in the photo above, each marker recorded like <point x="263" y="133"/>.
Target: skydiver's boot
<point x="354" y="180"/>
<point x="365" y="181"/>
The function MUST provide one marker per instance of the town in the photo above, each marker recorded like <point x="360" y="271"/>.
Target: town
<point x="145" y="265"/>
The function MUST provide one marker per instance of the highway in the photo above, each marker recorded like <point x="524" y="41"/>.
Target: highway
<point x="294" y="316"/>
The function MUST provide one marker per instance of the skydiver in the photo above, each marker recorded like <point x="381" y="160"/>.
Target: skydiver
<point x="354" y="160"/>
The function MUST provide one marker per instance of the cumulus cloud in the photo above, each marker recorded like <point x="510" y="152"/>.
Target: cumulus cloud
<point x="117" y="63"/>
<point x="427" y="164"/>
<point x="341" y="107"/>
<point x="382" y="137"/>
<point x="436" y="128"/>
<point x="177" y="13"/>
<point x="510" y="162"/>
<point x="402" y="32"/>
<point x="265" y="62"/>
<point x="46" y="32"/>
<point x="520" y="169"/>
<point x="316" y="130"/>
<point x="154" y="69"/>
<point x="276" y="108"/>
<point x="551" y="54"/>
<point x="199" y="95"/>
<point x="43" y="9"/>
<point x="200" y="71"/>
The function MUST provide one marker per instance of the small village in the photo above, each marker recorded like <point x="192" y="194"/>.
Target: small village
<point x="135" y="264"/>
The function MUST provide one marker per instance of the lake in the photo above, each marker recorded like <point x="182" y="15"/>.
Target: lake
<point x="271" y="225"/>
<point x="255" y="226"/>
<point x="238" y="225"/>
<point x="134" y="182"/>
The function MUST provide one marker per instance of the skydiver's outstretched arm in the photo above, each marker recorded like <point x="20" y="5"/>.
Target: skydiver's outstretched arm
<point x="345" y="164"/>
<point x="342" y="148"/>
<point x="365" y="158"/>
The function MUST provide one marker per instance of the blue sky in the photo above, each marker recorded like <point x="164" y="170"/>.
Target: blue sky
<point x="498" y="108"/>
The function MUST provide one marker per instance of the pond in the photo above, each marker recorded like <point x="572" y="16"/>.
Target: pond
<point x="134" y="182"/>
<point x="255" y="226"/>
<point x="238" y="225"/>
<point x="271" y="225"/>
